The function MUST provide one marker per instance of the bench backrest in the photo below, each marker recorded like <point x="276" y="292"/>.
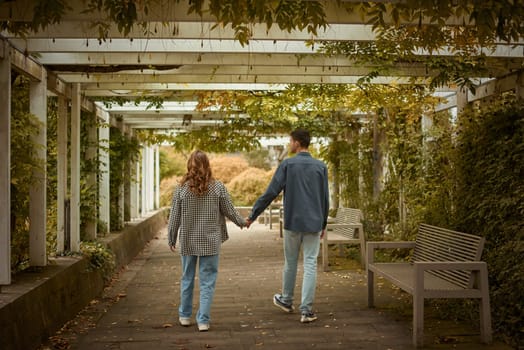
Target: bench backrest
<point x="348" y="216"/>
<point x="439" y="244"/>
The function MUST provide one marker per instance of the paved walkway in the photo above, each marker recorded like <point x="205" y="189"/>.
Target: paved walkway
<point x="139" y="309"/>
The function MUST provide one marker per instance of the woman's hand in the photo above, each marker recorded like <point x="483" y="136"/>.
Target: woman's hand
<point x="172" y="248"/>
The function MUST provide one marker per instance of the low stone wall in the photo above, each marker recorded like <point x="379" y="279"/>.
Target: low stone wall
<point x="129" y="242"/>
<point x="39" y="302"/>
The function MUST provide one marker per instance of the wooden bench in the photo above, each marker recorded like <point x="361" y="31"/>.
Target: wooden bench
<point x="346" y="228"/>
<point x="444" y="264"/>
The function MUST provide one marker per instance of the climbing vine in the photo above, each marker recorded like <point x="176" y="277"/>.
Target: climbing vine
<point x="23" y="163"/>
<point x="123" y="151"/>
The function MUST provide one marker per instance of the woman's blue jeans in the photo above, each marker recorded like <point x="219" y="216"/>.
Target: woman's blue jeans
<point x="310" y="242"/>
<point x="207" y="274"/>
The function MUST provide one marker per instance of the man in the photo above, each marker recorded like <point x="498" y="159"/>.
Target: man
<point x="304" y="181"/>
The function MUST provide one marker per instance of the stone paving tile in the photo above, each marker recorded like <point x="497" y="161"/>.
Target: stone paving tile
<point x="243" y="317"/>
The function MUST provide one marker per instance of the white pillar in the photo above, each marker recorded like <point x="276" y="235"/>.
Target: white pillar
<point x="462" y="100"/>
<point x="135" y="209"/>
<point x="61" y="163"/>
<point x="133" y="188"/>
<point x="5" y="161"/>
<point x="75" y="168"/>
<point x="157" y="177"/>
<point x="151" y="179"/>
<point x="104" y="194"/>
<point x="121" y="188"/>
<point x="37" y="190"/>
<point x="143" y="186"/>
<point x="91" y="156"/>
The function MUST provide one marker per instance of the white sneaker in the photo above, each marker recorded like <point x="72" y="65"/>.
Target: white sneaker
<point x="184" y="321"/>
<point x="203" y="327"/>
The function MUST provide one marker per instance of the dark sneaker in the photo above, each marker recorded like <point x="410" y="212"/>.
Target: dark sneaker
<point x="277" y="300"/>
<point x="308" y="317"/>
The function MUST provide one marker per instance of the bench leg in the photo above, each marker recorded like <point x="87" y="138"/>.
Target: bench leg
<point x="363" y="253"/>
<point x="485" y="321"/>
<point x="371" y="286"/>
<point x="485" y="309"/>
<point x="418" y="320"/>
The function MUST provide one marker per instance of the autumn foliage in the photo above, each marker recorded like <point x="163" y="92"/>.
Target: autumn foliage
<point x="244" y="183"/>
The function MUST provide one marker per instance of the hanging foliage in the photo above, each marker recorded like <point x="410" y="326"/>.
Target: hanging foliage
<point x="488" y="20"/>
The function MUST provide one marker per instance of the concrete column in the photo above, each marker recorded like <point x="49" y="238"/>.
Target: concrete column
<point x="37" y="191"/>
<point x="133" y="190"/>
<point x="62" y="161"/>
<point x="5" y="161"/>
<point x="103" y="183"/>
<point x="91" y="157"/>
<point x="462" y="100"/>
<point x="121" y="189"/>
<point x="127" y="183"/>
<point x="143" y="187"/>
<point x="150" y="179"/>
<point x="157" y="177"/>
<point x="75" y="167"/>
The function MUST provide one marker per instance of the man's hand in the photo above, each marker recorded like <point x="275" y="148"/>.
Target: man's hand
<point x="248" y="222"/>
<point x="322" y="233"/>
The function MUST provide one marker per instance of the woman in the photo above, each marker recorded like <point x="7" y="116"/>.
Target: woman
<point x="197" y="218"/>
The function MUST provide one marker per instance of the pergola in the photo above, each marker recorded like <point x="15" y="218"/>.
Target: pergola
<point x="173" y="55"/>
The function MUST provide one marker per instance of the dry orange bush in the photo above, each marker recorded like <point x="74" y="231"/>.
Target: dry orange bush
<point x="247" y="186"/>
<point x="226" y="167"/>
<point x="167" y="186"/>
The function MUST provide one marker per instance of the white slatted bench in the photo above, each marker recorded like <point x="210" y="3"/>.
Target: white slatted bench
<point x="346" y="228"/>
<point x="444" y="264"/>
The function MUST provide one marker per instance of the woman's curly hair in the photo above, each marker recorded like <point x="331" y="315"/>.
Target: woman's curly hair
<point x="198" y="176"/>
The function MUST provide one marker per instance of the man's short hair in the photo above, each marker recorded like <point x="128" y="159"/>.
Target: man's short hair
<point x="302" y="136"/>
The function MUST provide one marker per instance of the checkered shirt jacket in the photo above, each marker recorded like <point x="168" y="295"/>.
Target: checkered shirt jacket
<point x="199" y="221"/>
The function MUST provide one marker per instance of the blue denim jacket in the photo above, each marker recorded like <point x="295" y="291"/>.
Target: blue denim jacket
<point x="304" y="181"/>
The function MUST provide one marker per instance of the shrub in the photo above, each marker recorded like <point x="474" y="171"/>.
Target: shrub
<point x="226" y="167"/>
<point x="259" y="159"/>
<point x="167" y="186"/>
<point x="489" y="164"/>
<point x="247" y="186"/>
<point x="172" y="163"/>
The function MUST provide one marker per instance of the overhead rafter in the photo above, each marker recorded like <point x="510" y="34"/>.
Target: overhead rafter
<point x="172" y="53"/>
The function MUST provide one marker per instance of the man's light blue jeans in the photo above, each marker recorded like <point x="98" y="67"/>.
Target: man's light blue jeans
<point x="207" y="274"/>
<point x="310" y="242"/>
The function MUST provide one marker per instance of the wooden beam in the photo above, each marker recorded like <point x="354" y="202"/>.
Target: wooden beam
<point x="182" y="79"/>
<point x="496" y="86"/>
<point x="26" y="65"/>
<point x="204" y="30"/>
